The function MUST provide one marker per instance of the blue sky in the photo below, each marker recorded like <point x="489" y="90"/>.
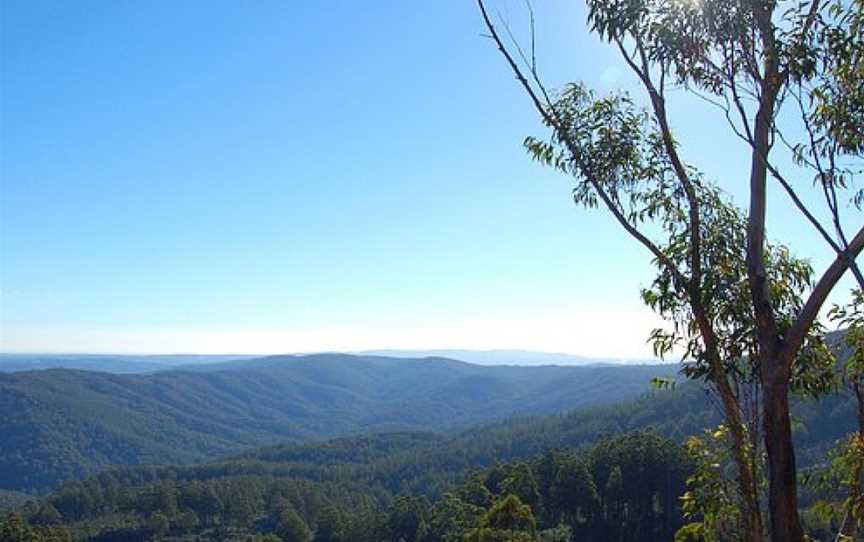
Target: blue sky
<point x="296" y="176"/>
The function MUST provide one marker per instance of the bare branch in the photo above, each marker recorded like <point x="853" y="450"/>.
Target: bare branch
<point x="533" y="38"/>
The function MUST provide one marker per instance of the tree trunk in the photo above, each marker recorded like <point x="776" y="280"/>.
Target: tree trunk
<point x="783" y="492"/>
<point x="747" y="488"/>
<point x="775" y="371"/>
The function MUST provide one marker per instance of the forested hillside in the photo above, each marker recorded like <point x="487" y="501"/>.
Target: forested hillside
<point x="627" y="485"/>
<point x="429" y="463"/>
<point x="422" y="486"/>
<point x="68" y="423"/>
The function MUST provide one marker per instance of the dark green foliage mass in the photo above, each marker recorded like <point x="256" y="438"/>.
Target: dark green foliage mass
<point x="585" y="475"/>
<point x="483" y="507"/>
<point x="292" y="527"/>
<point x="428" y="464"/>
<point x="13" y="528"/>
<point x="68" y="424"/>
<point x="509" y="520"/>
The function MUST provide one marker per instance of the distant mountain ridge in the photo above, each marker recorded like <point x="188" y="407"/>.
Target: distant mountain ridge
<point x="70" y="423"/>
<point x="525" y="358"/>
<point x="109" y="363"/>
<point x="143" y="364"/>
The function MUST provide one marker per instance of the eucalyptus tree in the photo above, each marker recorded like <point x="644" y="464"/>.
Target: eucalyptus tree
<point x="744" y="310"/>
<point x="292" y="527"/>
<point x="509" y="520"/>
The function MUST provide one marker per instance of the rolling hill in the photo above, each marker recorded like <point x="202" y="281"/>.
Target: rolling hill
<point x="71" y="423"/>
<point x="369" y="479"/>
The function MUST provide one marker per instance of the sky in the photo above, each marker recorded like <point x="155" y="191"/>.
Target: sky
<point x="271" y="176"/>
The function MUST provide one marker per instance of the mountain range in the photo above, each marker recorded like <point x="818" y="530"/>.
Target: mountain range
<point x="526" y="358"/>
<point x="142" y="364"/>
<point x="71" y="423"/>
<point x="383" y="486"/>
<point x="109" y="363"/>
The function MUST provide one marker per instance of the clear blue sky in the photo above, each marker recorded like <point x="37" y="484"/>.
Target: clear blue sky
<point x="292" y="176"/>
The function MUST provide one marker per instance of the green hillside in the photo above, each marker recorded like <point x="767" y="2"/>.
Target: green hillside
<point x="374" y="482"/>
<point x="69" y="423"/>
<point x="429" y="463"/>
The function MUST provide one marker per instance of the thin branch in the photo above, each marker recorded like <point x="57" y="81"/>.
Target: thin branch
<point x="550" y="117"/>
<point x="787" y="187"/>
<point x="533" y="39"/>
<point x="739" y="106"/>
<point x="827" y="180"/>
<point x="766" y="323"/>
<point x="798" y="332"/>
<point x="700" y="312"/>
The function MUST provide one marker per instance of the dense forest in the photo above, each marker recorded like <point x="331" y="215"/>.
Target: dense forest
<point x="627" y="485"/>
<point x="71" y="423"/>
<point x="578" y="476"/>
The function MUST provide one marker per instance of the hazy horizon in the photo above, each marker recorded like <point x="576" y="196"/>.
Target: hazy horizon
<point x="211" y="178"/>
<point x="385" y="352"/>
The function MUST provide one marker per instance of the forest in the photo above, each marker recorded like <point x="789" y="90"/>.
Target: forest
<point x="618" y="469"/>
<point x="71" y="423"/>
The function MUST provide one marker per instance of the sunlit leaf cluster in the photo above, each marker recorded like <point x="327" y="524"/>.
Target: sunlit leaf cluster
<point x="614" y="152"/>
<point x="709" y="504"/>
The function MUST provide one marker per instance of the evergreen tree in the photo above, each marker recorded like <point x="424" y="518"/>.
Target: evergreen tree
<point x="509" y="520"/>
<point x="520" y="481"/>
<point x="292" y="528"/>
<point x="330" y="527"/>
<point x="575" y="492"/>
